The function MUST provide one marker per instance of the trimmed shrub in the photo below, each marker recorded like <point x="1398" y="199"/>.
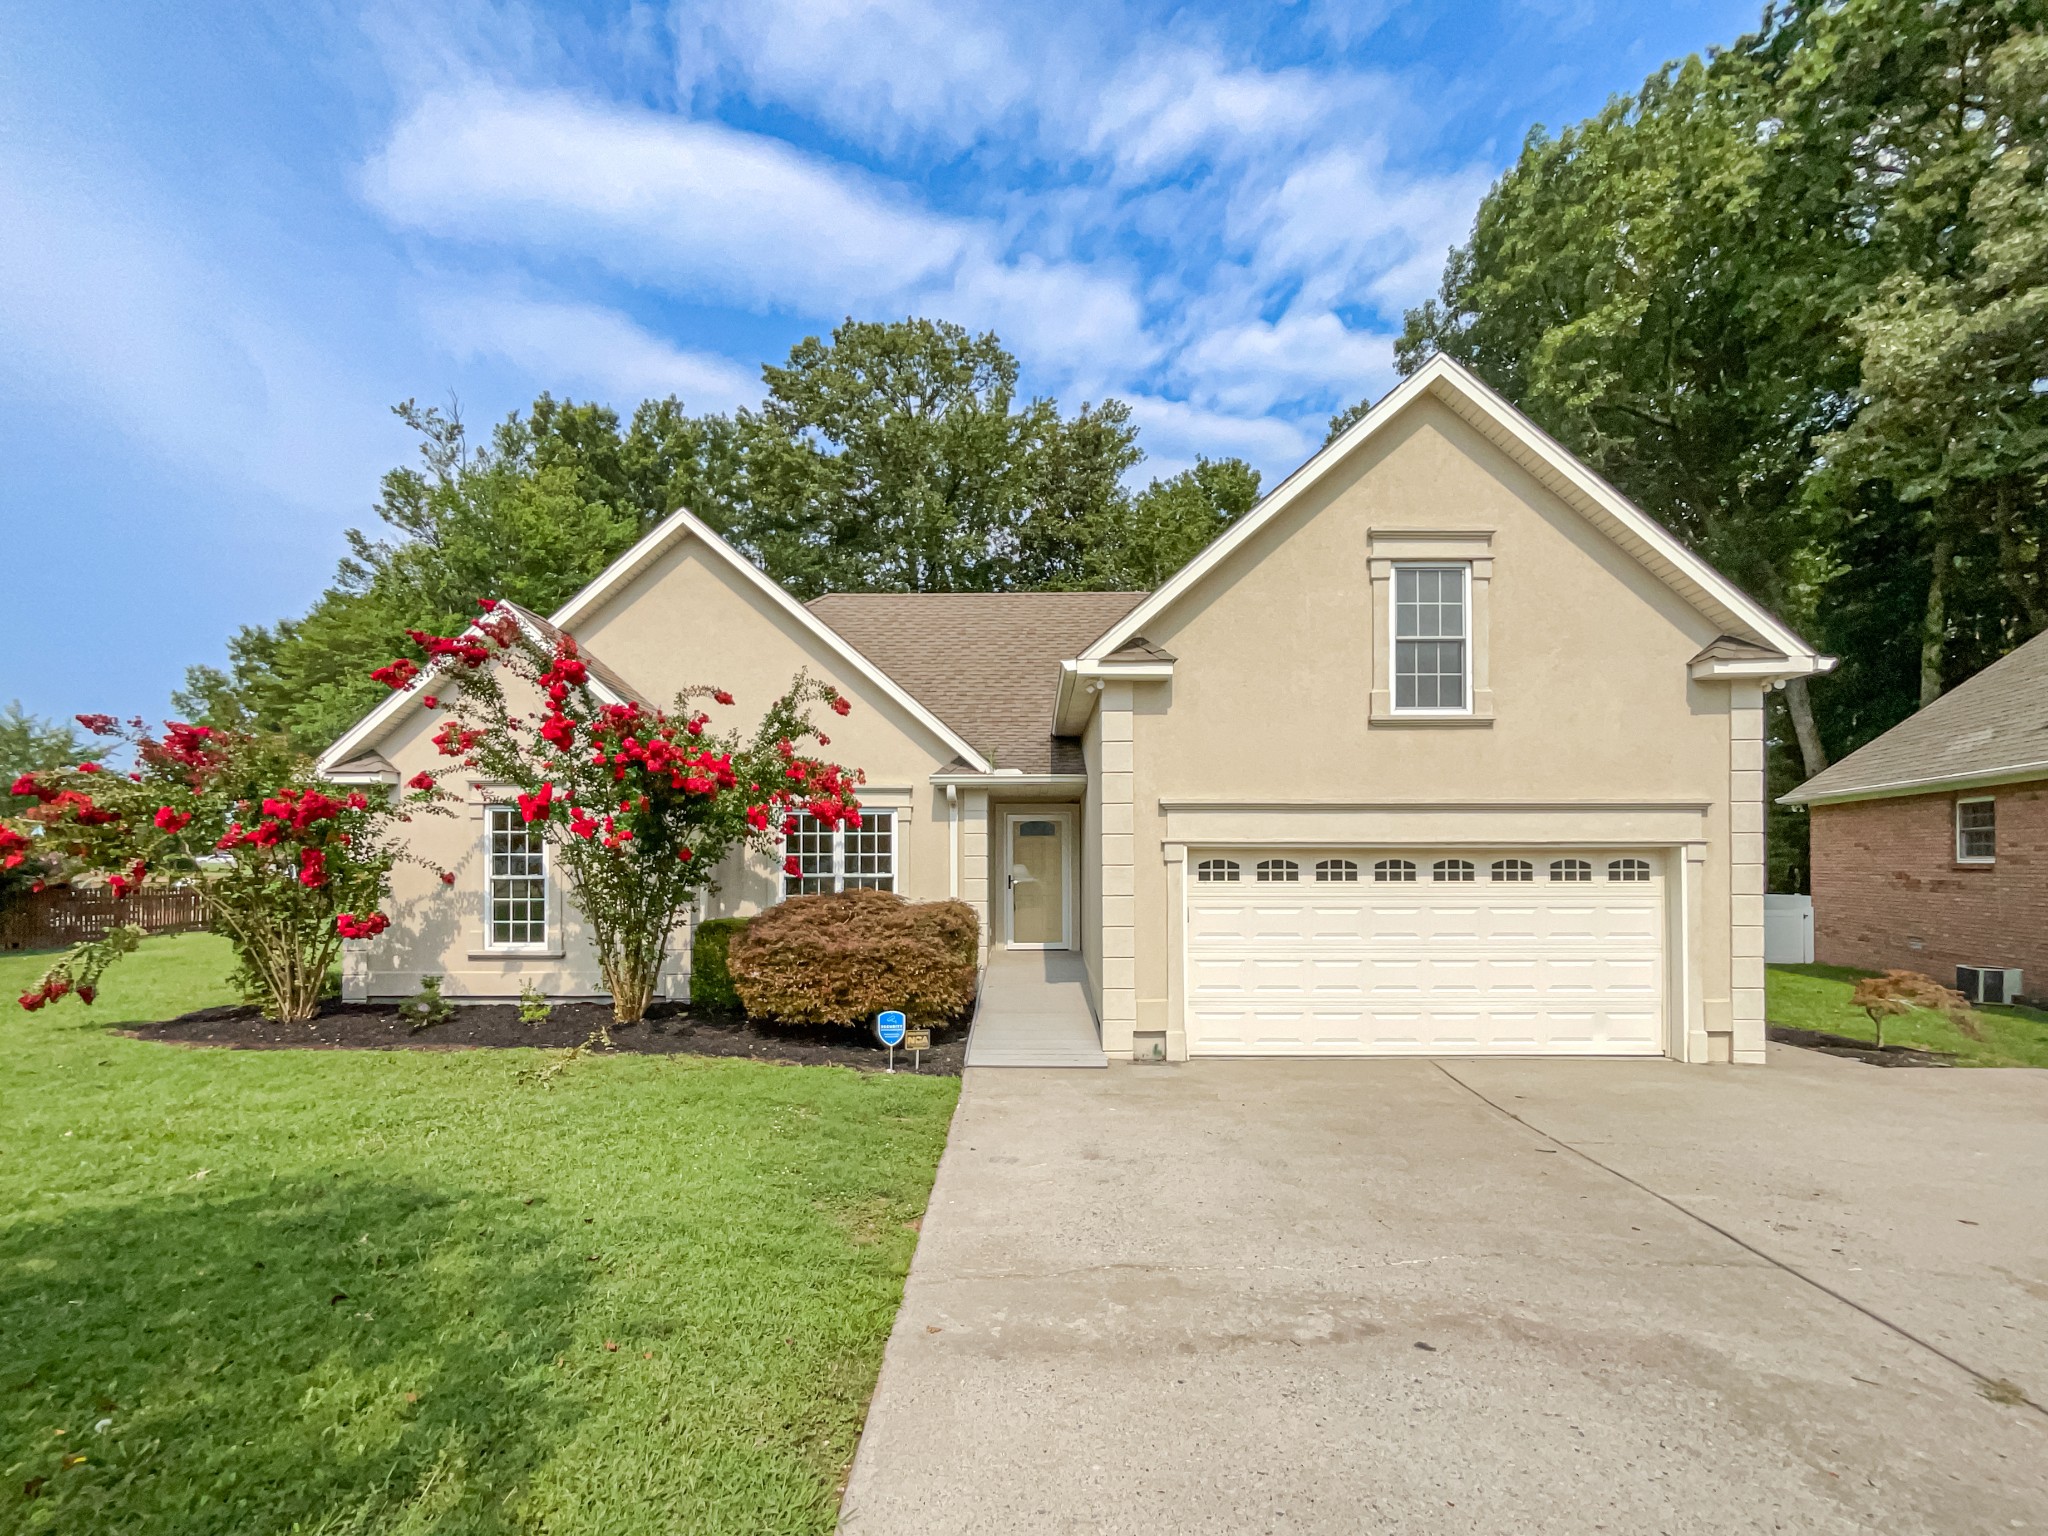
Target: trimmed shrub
<point x="711" y="987"/>
<point x="841" y="959"/>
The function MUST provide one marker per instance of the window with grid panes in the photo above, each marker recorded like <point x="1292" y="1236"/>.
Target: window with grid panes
<point x="1431" y="639"/>
<point x="842" y="858"/>
<point x="515" y="863"/>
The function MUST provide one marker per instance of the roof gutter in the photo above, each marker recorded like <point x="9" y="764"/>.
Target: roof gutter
<point x="1009" y="778"/>
<point x="2018" y="773"/>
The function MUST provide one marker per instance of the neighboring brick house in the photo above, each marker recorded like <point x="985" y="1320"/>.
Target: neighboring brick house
<point x="1930" y="844"/>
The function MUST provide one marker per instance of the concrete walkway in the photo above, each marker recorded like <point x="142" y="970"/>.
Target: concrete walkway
<point x="1034" y="1013"/>
<point x="1484" y="1297"/>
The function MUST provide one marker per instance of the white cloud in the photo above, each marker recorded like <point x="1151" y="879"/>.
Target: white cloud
<point x="657" y="198"/>
<point x="1175" y="433"/>
<point x="586" y="345"/>
<point x="704" y="210"/>
<point x="1300" y="357"/>
<point x="1347" y="229"/>
<point x="1165" y="109"/>
<point x="879" y="71"/>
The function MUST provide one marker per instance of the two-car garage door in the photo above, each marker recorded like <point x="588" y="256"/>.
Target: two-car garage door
<point x="1413" y="952"/>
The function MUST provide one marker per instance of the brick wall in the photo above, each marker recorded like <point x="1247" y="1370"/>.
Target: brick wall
<point x="1888" y="892"/>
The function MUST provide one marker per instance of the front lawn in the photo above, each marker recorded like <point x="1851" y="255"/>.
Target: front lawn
<point x="1817" y="997"/>
<point x="339" y="1291"/>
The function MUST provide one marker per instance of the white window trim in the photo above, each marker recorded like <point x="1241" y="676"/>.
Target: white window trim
<point x="546" y="946"/>
<point x="1463" y="568"/>
<point x="895" y="885"/>
<point x="1976" y="858"/>
<point x="1469" y="548"/>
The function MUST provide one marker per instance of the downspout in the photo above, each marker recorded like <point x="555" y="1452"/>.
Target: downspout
<point x="953" y="837"/>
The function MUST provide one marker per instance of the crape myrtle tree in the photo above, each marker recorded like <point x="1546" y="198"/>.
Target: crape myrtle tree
<point x="639" y="804"/>
<point x="285" y="867"/>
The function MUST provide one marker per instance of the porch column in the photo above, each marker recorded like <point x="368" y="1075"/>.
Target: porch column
<point x="1119" y="874"/>
<point x="971" y="829"/>
<point x="1176" y="952"/>
<point x="1746" y="870"/>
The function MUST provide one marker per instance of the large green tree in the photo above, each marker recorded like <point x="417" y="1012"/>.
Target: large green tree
<point x="887" y="457"/>
<point x="532" y="515"/>
<point x="1788" y="299"/>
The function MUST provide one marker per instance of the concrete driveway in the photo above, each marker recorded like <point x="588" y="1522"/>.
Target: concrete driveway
<point x="1478" y="1297"/>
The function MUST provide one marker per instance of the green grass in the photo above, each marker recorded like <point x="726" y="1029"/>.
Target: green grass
<point x="1817" y="997"/>
<point x="326" y="1291"/>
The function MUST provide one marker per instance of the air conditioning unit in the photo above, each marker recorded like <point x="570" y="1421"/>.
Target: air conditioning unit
<point x="1987" y="983"/>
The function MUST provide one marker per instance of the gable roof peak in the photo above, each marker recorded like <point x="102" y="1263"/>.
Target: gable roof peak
<point x="1455" y="386"/>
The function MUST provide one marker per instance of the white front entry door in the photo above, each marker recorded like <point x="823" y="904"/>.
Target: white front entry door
<point x="1377" y="952"/>
<point x="1037" y="900"/>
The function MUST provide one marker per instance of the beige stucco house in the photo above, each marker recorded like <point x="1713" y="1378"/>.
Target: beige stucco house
<point x="1444" y="749"/>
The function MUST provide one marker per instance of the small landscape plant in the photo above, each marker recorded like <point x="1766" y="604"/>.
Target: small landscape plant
<point x="1901" y="992"/>
<point x="711" y="988"/>
<point x="534" y="1007"/>
<point x="843" y="958"/>
<point x="426" y="1007"/>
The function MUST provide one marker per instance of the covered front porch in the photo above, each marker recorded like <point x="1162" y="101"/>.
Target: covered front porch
<point x="1021" y="852"/>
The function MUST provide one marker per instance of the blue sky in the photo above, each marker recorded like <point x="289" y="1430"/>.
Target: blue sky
<point x="232" y="236"/>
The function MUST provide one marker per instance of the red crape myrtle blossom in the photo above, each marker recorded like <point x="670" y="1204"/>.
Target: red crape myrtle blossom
<point x="284" y="856"/>
<point x="641" y="805"/>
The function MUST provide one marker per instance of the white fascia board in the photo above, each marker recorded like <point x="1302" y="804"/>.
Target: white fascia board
<point x="1989" y="778"/>
<point x="682" y="523"/>
<point x="369" y="730"/>
<point x="1002" y="780"/>
<point x="1075" y="701"/>
<point x="1763" y="671"/>
<point x="1455" y="384"/>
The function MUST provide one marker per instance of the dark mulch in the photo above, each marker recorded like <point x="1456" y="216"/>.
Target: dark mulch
<point x="1860" y="1050"/>
<point x="669" y="1030"/>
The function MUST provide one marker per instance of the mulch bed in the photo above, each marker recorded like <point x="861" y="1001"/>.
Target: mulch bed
<point x="669" y="1030"/>
<point x="1859" y="1050"/>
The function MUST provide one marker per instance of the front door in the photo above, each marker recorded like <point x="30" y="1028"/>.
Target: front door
<point x="1037" y="882"/>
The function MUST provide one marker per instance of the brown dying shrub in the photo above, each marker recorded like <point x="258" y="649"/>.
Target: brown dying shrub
<point x="1900" y="992"/>
<point x="843" y="958"/>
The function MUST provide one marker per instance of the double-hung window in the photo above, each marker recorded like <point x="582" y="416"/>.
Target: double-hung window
<point x="516" y="872"/>
<point x="1976" y="831"/>
<point x="842" y="858"/>
<point x="1432" y="639"/>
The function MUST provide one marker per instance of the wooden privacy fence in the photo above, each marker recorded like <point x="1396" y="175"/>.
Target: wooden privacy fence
<point x="55" y="919"/>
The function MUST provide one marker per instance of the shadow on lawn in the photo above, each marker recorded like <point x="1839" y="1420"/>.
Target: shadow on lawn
<point x="337" y="1356"/>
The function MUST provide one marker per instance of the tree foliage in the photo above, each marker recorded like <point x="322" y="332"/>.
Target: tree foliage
<point x="290" y="870"/>
<point x="1789" y="298"/>
<point x="887" y="457"/>
<point x="30" y="745"/>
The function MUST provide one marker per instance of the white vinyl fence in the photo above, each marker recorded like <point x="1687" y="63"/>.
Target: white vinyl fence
<point x="1788" y="930"/>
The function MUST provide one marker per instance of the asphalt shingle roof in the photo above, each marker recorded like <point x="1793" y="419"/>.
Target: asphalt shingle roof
<point x="986" y="663"/>
<point x="1996" y="723"/>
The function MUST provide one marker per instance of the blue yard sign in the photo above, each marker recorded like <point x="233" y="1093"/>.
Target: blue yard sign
<point x="889" y="1030"/>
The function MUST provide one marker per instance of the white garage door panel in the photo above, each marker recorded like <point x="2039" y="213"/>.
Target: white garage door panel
<point x="1425" y="968"/>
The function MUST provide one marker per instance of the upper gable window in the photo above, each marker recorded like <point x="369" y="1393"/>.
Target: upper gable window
<point x="1432" y="639"/>
<point x="1977" y="831"/>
